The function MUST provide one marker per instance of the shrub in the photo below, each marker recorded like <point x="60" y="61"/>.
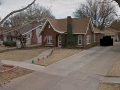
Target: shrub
<point x="9" y="43"/>
<point x="63" y="41"/>
<point x="71" y="41"/>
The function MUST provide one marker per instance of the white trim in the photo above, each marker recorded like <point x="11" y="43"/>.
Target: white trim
<point x="88" y="39"/>
<point x="81" y="39"/>
<point x="77" y="33"/>
<point x="32" y="29"/>
<point x="59" y="41"/>
<point x="92" y="26"/>
<point x="51" y="25"/>
<point x="49" y="38"/>
<point x="94" y="37"/>
<point x="88" y="27"/>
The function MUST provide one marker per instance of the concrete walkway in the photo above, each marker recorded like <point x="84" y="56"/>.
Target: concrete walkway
<point x="43" y="54"/>
<point x="82" y="71"/>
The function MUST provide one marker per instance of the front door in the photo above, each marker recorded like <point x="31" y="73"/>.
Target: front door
<point x="59" y="41"/>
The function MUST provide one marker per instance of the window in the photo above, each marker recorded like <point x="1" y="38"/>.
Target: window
<point x="49" y="26"/>
<point x="49" y="39"/>
<point x="88" y="39"/>
<point x="94" y="38"/>
<point x="28" y="35"/>
<point x="79" y="40"/>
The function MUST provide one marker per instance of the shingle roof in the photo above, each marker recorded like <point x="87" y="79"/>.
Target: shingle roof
<point x="110" y="31"/>
<point x="97" y="30"/>
<point x="113" y="30"/>
<point x="79" y="25"/>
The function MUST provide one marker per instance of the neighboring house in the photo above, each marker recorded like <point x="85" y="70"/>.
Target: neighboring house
<point x="112" y="32"/>
<point x="32" y="31"/>
<point x="82" y="27"/>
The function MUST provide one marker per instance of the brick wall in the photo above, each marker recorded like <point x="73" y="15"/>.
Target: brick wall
<point x="50" y="31"/>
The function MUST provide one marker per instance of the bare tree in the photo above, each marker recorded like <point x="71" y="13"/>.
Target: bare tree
<point x="34" y="12"/>
<point x="0" y="2"/>
<point x="118" y="1"/>
<point x="100" y="13"/>
<point x="16" y="11"/>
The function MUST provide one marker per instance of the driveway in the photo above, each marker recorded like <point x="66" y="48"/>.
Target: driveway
<point x="82" y="71"/>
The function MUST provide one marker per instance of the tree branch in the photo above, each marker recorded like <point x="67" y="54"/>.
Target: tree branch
<point x="16" y="12"/>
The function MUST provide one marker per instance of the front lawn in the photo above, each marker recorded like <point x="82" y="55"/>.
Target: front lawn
<point x="56" y="56"/>
<point x="115" y="70"/>
<point x="109" y="86"/>
<point x="22" y="54"/>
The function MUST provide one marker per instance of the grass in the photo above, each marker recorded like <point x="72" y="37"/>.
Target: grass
<point x="22" y="54"/>
<point x="109" y="86"/>
<point x="115" y="70"/>
<point x="4" y="48"/>
<point x="56" y="56"/>
<point x="14" y="74"/>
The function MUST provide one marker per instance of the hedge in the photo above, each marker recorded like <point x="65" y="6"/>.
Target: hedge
<point x="9" y="43"/>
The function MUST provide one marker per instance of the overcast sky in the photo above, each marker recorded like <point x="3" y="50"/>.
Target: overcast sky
<point x="60" y="8"/>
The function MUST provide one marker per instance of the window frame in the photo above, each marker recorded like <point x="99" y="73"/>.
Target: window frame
<point x="88" y="38"/>
<point x="28" y="36"/>
<point x="94" y="37"/>
<point x="48" y="26"/>
<point x="49" y="39"/>
<point x="79" y="39"/>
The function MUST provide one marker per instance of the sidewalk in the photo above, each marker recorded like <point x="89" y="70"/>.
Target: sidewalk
<point x="48" y="70"/>
<point x="43" y="54"/>
<point x="112" y="80"/>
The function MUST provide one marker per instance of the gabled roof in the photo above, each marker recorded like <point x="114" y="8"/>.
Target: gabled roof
<point x="27" y="28"/>
<point x="80" y="25"/>
<point x="110" y="31"/>
<point x="97" y="30"/>
<point x="23" y="29"/>
<point x="113" y="30"/>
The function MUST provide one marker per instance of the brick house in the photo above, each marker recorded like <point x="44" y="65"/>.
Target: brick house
<point x="30" y="29"/>
<point x="82" y="27"/>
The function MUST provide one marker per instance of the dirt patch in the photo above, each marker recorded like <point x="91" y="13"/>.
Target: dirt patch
<point x="14" y="74"/>
<point x="21" y="55"/>
<point x="109" y="86"/>
<point x="56" y="56"/>
<point x="115" y="70"/>
<point x="7" y="68"/>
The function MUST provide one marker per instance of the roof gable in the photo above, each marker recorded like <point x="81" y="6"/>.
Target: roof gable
<point x="60" y="25"/>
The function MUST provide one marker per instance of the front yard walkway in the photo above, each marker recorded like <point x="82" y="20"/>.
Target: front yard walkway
<point x="56" y="55"/>
<point x="41" y="55"/>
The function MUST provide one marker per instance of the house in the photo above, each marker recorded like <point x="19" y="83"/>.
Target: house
<point x="31" y="30"/>
<point x="53" y="29"/>
<point x="112" y="32"/>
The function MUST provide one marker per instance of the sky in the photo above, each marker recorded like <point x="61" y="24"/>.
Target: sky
<point x="60" y="8"/>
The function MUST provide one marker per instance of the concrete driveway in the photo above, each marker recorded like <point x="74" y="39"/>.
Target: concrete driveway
<point x="82" y="71"/>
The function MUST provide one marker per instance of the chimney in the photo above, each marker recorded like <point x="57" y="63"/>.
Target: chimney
<point x="34" y="35"/>
<point x="69" y="20"/>
<point x="34" y="23"/>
